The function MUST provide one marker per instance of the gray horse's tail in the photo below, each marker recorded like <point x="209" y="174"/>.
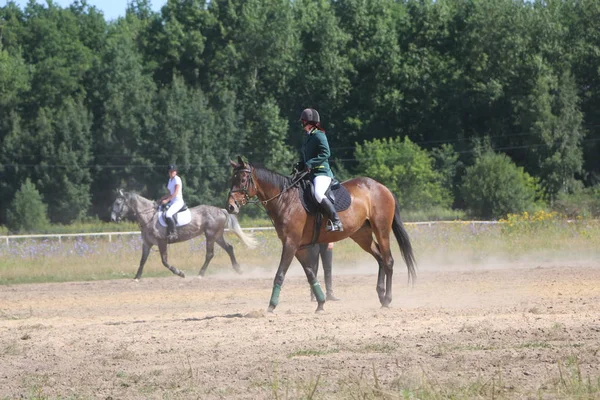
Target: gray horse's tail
<point x="233" y="224"/>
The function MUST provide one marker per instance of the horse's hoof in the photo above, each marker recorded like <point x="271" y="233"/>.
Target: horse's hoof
<point x="271" y="309"/>
<point x="319" y="310"/>
<point x="331" y="297"/>
<point x="181" y="274"/>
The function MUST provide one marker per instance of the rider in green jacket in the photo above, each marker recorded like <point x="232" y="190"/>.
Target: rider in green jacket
<point x="315" y="159"/>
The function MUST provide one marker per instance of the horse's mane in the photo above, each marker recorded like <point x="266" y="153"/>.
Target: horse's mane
<point x="138" y="197"/>
<point x="273" y="178"/>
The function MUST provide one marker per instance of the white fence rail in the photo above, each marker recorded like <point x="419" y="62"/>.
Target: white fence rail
<point x="110" y="235"/>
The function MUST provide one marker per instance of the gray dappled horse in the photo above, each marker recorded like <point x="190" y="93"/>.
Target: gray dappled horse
<point x="207" y="220"/>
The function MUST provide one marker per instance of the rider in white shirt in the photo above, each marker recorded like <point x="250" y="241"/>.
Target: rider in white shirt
<point x="173" y="201"/>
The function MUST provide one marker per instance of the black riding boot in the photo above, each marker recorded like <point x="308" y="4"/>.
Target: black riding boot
<point x="334" y="221"/>
<point x="171" y="232"/>
<point x="327" y="257"/>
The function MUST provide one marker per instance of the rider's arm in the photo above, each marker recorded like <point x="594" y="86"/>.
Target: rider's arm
<point x="323" y="152"/>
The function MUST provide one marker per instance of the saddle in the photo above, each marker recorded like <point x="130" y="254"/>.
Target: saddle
<point x="181" y="217"/>
<point x="336" y="193"/>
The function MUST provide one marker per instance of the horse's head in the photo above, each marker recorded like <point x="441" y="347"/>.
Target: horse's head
<point x="243" y="186"/>
<point x="120" y="207"/>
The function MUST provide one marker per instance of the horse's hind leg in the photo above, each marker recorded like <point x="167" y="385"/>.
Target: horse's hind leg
<point x="229" y="249"/>
<point x="162" y="247"/>
<point x="387" y="263"/>
<point x="364" y="238"/>
<point x="145" y="252"/>
<point x="210" y="253"/>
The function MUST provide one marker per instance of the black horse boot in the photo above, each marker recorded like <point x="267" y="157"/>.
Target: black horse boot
<point x="327" y="257"/>
<point x="171" y="232"/>
<point x="334" y="224"/>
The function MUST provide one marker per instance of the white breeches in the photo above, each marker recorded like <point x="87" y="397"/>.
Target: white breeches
<point x="321" y="183"/>
<point x="176" y="205"/>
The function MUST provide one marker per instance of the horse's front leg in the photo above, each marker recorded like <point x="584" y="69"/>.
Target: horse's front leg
<point x="229" y="249"/>
<point x="287" y="255"/>
<point x="310" y="260"/>
<point x="145" y="252"/>
<point x="162" y="247"/>
<point x="210" y="253"/>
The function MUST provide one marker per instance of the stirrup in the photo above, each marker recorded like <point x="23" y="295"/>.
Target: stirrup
<point x="171" y="237"/>
<point x="334" y="226"/>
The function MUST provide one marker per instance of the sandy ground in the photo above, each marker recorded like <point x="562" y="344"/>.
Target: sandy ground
<point x="511" y="331"/>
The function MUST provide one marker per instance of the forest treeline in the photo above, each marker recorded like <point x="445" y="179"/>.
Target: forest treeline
<point x="440" y="100"/>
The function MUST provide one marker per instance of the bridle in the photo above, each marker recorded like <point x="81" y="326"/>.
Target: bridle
<point x="244" y="189"/>
<point x="123" y="203"/>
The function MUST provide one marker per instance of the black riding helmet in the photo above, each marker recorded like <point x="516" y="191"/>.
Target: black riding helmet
<point x="173" y="167"/>
<point x="310" y="115"/>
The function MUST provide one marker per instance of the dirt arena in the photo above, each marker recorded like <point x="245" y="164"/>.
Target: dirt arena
<point x="508" y="331"/>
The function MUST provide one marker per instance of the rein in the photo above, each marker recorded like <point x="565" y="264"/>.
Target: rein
<point x="244" y="190"/>
<point x="285" y="189"/>
<point x="147" y="211"/>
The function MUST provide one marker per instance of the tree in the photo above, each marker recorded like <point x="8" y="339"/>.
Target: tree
<point x="322" y="70"/>
<point x="448" y="165"/>
<point x="14" y="81"/>
<point x="64" y="173"/>
<point x="196" y="137"/>
<point x="122" y="95"/>
<point x="551" y="113"/>
<point x="494" y="186"/>
<point x="406" y="169"/>
<point x="27" y="212"/>
<point x="371" y="108"/>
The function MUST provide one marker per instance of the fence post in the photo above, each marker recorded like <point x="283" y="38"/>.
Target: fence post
<point x="7" y="243"/>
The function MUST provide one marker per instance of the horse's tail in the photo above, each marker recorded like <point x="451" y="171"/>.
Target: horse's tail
<point x="232" y="223"/>
<point x="404" y="242"/>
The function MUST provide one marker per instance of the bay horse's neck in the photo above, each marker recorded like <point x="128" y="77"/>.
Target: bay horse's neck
<point x="272" y="188"/>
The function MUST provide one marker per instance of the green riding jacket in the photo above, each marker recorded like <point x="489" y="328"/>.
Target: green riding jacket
<point x="315" y="153"/>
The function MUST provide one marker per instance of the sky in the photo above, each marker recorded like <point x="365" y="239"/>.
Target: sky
<point x="112" y="9"/>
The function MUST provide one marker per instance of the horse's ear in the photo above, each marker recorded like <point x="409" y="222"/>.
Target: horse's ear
<point x="121" y="193"/>
<point x="233" y="164"/>
<point x="241" y="161"/>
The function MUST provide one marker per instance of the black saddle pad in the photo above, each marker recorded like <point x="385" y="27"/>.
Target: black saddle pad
<point x="337" y="193"/>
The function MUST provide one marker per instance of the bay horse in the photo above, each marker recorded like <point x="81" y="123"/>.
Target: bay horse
<point x="373" y="214"/>
<point x="208" y="220"/>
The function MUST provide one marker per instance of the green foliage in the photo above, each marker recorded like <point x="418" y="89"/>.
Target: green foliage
<point x="433" y="214"/>
<point x="196" y="137"/>
<point x="583" y="203"/>
<point x="406" y="169"/>
<point x="494" y="186"/>
<point x="89" y="105"/>
<point x="267" y="138"/>
<point x="14" y="80"/>
<point x="551" y="113"/>
<point x="27" y="212"/>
